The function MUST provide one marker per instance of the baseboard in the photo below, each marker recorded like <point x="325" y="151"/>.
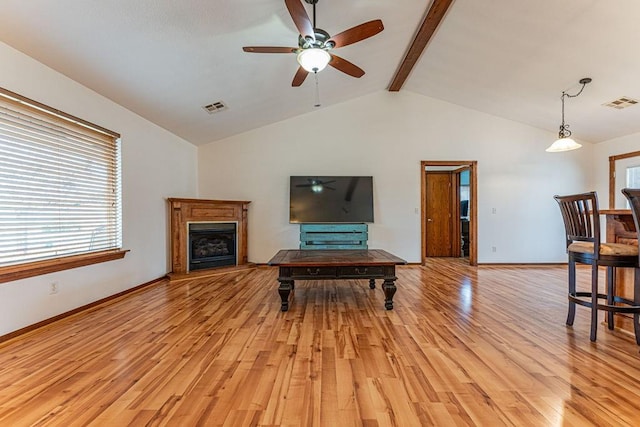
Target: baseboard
<point x="53" y="319"/>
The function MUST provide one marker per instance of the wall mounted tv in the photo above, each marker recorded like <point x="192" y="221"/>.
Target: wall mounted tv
<point x="323" y="199"/>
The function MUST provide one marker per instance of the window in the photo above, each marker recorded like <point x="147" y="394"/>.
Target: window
<point x="633" y="179"/>
<point x="59" y="188"/>
<point x="633" y="176"/>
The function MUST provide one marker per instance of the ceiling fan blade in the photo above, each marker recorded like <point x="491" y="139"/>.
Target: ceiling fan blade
<point x="300" y="18"/>
<point x="357" y="33"/>
<point x="346" y="66"/>
<point x="269" y="49"/>
<point x="301" y="74"/>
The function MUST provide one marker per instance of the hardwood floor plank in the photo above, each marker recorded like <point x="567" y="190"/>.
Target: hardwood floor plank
<point x="462" y="346"/>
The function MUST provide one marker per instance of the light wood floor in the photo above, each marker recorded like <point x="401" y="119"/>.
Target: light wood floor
<point x="463" y="346"/>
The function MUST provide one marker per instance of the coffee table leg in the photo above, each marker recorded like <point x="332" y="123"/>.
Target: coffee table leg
<point x="389" y="288"/>
<point x="284" y="290"/>
<point x="372" y="283"/>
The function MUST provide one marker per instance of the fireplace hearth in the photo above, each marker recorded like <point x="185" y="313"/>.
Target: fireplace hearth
<point x="212" y="244"/>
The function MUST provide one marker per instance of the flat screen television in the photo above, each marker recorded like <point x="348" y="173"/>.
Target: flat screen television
<point x="330" y="199"/>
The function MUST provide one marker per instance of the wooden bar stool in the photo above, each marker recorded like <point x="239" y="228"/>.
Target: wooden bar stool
<point x="582" y="224"/>
<point x="633" y="195"/>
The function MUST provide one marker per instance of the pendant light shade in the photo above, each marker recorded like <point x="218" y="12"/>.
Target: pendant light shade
<point x="563" y="144"/>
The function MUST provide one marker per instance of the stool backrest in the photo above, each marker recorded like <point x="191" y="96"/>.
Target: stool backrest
<point x="581" y="218"/>
<point x="633" y="195"/>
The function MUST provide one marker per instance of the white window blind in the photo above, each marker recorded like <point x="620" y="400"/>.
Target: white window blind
<point x="59" y="184"/>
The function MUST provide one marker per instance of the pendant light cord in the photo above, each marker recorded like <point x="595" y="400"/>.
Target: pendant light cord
<point x="564" y="129"/>
<point x="583" y="82"/>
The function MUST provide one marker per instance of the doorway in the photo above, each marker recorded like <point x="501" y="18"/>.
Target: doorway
<point x="449" y="209"/>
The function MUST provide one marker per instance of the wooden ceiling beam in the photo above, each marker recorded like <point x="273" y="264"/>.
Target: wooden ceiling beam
<point x="434" y="16"/>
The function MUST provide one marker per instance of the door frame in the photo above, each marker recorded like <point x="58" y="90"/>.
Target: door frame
<point x="472" y="165"/>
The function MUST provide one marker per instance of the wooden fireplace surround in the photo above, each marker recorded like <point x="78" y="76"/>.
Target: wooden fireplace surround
<point x="184" y="211"/>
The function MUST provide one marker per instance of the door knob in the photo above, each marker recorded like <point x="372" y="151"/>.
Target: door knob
<point x="429" y="220"/>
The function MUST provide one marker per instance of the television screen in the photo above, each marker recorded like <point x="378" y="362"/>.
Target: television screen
<point x="331" y="199"/>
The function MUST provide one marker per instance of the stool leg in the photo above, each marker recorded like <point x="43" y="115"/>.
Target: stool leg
<point x="611" y="291"/>
<point x="594" y="301"/>
<point x="636" y="301"/>
<point x="572" y="291"/>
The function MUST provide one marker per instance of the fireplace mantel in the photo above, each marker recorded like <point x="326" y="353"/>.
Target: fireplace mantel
<point x="184" y="211"/>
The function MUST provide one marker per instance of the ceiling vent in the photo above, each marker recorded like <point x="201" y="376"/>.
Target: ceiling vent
<point x="622" y="102"/>
<point x="215" y="107"/>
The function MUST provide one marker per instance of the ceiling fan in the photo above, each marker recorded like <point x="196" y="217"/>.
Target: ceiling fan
<point x="315" y="44"/>
<point x="317" y="185"/>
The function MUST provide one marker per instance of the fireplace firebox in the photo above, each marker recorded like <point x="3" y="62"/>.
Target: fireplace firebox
<point x="212" y="244"/>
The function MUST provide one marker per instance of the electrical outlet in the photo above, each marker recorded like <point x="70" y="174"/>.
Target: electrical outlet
<point x="493" y="249"/>
<point x="53" y="289"/>
<point x="493" y="211"/>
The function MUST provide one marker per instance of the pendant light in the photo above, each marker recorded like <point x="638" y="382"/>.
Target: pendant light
<point x="564" y="141"/>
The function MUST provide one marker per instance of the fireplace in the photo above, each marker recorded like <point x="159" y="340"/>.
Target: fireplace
<point x="225" y="219"/>
<point x="212" y="244"/>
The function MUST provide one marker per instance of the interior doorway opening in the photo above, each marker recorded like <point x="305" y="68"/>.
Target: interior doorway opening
<point x="449" y="209"/>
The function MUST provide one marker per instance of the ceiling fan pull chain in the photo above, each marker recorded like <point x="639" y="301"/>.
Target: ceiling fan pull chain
<point x="317" y="104"/>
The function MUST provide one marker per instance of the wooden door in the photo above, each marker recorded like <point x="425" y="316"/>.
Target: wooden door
<point x="439" y="217"/>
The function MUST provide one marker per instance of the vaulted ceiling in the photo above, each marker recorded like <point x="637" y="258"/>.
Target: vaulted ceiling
<point x="166" y="59"/>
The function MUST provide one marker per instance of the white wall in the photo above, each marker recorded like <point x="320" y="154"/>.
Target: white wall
<point x="155" y="165"/>
<point x="386" y="135"/>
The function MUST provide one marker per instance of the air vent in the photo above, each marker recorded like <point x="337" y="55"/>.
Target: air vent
<point x="622" y="102"/>
<point x="215" y="107"/>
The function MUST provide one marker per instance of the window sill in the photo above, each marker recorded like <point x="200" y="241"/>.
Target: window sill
<point x="37" y="268"/>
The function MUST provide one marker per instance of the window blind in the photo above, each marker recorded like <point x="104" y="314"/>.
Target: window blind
<point x="59" y="183"/>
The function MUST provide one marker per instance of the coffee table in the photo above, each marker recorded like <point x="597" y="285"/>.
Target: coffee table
<point x="295" y="264"/>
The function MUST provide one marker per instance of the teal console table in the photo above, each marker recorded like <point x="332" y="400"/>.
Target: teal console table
<point x="333" y="236"/>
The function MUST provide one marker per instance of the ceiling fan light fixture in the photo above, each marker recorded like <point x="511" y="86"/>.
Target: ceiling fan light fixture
<point x="315" y="44"/>
<point x="313" y="59"/>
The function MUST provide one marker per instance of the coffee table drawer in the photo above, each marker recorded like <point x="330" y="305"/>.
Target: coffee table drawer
<point x="313" y="272"/>
<point x="362" y="271"/>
